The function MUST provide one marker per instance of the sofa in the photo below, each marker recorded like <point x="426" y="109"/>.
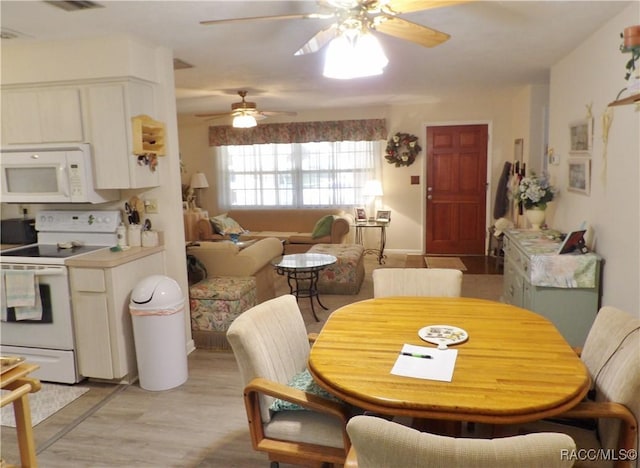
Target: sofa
<point x="226" y="259"/>
<point x="294" y="227"/>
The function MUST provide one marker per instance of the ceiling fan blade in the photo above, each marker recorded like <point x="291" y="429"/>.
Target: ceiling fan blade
<point x="214" y="115"/>
<point x="272" y="113"/>
<point x="408" y="6"/>
<point x="409" y="31"/>
<point x="318" y="41"/>
<point x="276" y="17"/>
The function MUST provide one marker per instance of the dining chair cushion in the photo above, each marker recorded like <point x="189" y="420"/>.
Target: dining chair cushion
<point x="301" y="381"/>
<point x="305" y="426"/>
<point x="382" y="443"/>
<point x="416" y="282"/>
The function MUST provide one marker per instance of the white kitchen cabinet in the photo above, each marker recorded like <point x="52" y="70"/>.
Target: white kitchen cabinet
<point x="96" y="112"/>
<point x="102" y="323"/>
<point x="110" y="108"/>
<point x="563" y="288"/>
<point x="42" y="115"/>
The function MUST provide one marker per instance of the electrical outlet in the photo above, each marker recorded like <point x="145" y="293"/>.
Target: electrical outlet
<point x="151" y="206"/>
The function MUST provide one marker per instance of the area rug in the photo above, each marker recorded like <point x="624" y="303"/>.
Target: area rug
<point x="445" y="262"/>
<point x="50" y="399"/>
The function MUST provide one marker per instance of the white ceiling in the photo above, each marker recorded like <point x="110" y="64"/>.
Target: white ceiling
<point x="493" y="44"/>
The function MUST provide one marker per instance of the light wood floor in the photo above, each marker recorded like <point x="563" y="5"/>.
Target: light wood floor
<point x="202" y="423"/>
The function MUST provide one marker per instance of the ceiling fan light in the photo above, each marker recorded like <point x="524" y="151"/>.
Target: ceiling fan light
<point x="244" y="121"/>
<point x="356" y="57"/>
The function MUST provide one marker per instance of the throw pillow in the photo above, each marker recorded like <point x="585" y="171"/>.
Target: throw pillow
<point x="217" y="223"/>
<point x="322" y="227"/>
<point x="231" y="226"/>
<point x="302" y="381"/>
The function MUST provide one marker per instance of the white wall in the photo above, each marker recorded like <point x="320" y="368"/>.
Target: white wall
<point x="593" y="74"/>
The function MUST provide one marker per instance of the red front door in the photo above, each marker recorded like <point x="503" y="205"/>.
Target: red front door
<point x="456" y="189"/>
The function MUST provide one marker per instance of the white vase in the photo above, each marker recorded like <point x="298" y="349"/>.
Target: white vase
<point x="535" y="216"/>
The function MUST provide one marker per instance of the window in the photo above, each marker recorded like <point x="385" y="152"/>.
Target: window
<point x="298" y="175"/>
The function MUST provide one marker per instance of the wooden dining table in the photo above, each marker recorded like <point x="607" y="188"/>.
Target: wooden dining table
<point x="514" y="367"/>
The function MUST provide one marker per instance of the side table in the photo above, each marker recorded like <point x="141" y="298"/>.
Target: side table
<point x="360" y="227"/>
<point x="302" y="272"/>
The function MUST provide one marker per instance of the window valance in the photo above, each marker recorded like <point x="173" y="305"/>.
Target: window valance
<point x="299" y="132"/>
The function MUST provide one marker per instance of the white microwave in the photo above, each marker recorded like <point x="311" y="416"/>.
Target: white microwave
<point x="51" y="174"/>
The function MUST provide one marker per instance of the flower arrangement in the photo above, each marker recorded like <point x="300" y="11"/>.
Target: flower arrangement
<point x="402" y="149"/>
<point x="535" y="192"/>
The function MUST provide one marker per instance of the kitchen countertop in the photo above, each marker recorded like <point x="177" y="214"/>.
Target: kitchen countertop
<point x="10" y="246"/>
<point x="105" y="258"/>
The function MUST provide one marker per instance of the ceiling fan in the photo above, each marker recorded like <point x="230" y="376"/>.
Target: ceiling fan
<point x="364" y="16"/>
<point x="245" y="113"/>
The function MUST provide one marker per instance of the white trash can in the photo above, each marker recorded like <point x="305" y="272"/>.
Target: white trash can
<point x="157" y="313"/>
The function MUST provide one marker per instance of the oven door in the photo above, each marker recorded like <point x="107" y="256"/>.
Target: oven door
<point x="54" y="330"/>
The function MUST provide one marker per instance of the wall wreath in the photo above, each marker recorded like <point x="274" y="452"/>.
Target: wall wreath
<point x="402" y="149"/>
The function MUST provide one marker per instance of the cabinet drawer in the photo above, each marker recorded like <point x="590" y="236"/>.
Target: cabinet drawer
<point x="88" y="279"/>
<point x="513" y="285"/>
<point x="518" y="259"/>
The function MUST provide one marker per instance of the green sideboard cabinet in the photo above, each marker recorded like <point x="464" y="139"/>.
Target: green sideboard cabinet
<point x="563" y="288"/>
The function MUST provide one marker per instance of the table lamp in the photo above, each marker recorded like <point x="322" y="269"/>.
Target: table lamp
<point x="198" y="181"/>
<point x="372" y="190"/>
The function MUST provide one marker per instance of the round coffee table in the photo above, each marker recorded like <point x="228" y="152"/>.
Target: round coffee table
<point x="302" y="272"/>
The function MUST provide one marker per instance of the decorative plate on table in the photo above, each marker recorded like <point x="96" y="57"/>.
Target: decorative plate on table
<point x="9" y="362"/>
<point x="443" y="335"/>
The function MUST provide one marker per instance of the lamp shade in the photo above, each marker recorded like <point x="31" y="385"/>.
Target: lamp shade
<point x="199" y="180"/>
<point x="244" y="121"/>
<point x="373" y="188"/>
<point x="354" y="54"/>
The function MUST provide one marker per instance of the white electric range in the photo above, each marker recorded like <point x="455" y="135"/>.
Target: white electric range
<point x="48" y="338"/>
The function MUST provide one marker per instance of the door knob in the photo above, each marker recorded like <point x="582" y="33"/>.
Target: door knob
<point x="429" y="189"/>
<point x="429" y="197"/>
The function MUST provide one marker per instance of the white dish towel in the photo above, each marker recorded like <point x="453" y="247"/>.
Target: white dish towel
<point x="23" y="293"/>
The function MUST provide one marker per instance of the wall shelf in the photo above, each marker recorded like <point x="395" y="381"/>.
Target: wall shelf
<point x="148" y="136"/>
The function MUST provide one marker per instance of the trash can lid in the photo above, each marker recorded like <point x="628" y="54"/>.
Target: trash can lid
<point x="156" y="291"/>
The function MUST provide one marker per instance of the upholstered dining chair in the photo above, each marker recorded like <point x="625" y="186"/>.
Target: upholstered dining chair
<point x="271" y="347"/>
<point x="416" y="282"/>
<point x="611" y="354"/>
<point x="378" y="443"/>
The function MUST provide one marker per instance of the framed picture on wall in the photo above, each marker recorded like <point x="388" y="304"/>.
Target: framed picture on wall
<point x="581" y="136"/>
<point x="361" y="215"/>
<point x="518" y="149"/>
<point x="580" y="175"/>
<point x="383" y="216"/>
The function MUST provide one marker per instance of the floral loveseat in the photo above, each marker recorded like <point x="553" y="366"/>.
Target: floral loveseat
<point x="292" y="226"/>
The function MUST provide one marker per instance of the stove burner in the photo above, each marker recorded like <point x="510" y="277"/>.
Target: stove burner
<point x="49" y="251"/>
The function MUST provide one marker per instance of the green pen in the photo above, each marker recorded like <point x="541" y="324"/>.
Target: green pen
<point x="418" y="355"/>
